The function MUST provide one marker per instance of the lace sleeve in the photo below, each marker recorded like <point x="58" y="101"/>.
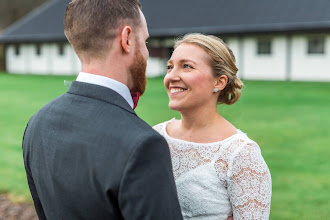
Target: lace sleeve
<point x="249" y="185"/>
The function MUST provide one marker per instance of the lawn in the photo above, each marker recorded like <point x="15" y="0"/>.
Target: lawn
<point x="289" y="120"/>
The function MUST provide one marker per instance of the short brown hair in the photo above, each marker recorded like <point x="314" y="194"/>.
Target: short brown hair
<point x="91" y="25"/>
<point x="222" y="61"/>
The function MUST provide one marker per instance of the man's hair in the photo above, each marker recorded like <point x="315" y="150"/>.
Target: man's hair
<point x="91" y="25"/>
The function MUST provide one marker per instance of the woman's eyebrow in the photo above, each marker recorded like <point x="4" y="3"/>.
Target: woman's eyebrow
<point x="182" y="61"/>
<point x="187" y="60"/>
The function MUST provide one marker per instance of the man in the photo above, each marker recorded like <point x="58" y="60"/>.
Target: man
<point x="87" y="154"/>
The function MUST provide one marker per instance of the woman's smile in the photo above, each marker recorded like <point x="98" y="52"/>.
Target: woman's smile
<point x="176" y="90"/>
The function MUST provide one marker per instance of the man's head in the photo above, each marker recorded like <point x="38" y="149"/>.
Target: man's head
<point x="91" y="25"/>
<point x="111" y="34"/>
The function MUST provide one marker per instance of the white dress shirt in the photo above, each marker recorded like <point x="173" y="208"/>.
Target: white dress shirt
<point x="118" y="87"/>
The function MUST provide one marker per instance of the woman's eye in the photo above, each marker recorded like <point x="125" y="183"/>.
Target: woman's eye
<point x="169" y="67"/>
<point x="187" y="66"/>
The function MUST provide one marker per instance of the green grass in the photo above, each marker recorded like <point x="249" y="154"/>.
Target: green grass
<point x="289" y="120"/>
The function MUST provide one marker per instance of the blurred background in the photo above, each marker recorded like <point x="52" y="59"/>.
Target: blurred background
<point x="282" y="50"/>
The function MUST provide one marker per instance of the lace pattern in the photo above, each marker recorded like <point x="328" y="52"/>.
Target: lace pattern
<point x="239" y="169"/>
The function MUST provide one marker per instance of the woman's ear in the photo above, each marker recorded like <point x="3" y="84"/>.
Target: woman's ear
<point x="126" y="39"/>
<point x="221" y="82"/>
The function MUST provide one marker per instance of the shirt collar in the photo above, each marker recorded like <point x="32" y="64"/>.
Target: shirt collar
<point x="118" y="87"/>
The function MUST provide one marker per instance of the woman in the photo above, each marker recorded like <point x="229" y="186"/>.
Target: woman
<point x="219" y="171"/>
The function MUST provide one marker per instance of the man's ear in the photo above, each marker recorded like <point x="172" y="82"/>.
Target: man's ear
<point x="126" y="38"/>
<point x="221" y="82"/>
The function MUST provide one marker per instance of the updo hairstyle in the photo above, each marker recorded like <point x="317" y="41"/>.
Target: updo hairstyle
<point x="222" y="61"/>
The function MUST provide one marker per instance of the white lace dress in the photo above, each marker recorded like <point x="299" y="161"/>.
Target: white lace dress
<point x="220" y="179"/>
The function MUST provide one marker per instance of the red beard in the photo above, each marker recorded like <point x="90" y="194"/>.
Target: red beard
<point x="138" y="73"/>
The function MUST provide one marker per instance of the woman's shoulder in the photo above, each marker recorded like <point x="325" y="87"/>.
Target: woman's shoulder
<point x="245" y="153"/>
<point x="242" y="138"/>
<point x="161" y="126"/>
<point x="246" y="143"/>
<point x="239" y="143"/>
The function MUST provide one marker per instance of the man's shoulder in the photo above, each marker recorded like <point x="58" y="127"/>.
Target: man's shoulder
<point x="45" y="108"/>
<point x="136" y="127"/>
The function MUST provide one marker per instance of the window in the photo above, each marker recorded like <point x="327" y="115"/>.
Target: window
<point x="264" y="46"/>
<point x="61" y="49"/>
<point x="316" y="45"/>
<point x="17" y="50"/>
<point x="38" y="49"/>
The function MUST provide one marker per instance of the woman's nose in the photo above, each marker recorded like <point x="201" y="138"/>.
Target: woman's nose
<point x="173" y="75"/>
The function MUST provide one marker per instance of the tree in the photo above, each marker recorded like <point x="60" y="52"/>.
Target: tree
<point x="12" y="10"/>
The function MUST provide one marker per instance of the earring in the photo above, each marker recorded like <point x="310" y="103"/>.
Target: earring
<point x="215" y="90"/>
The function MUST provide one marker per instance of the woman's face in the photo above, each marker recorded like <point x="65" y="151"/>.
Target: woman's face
<point x="189" y="81"/>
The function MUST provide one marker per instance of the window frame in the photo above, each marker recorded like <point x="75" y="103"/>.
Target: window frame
<point x="312" y="41"/>
<point x="61" y="49"/>
<point x="38" y="50"/>
<point x="261" y="43"/>
<point x="17" y="50"/>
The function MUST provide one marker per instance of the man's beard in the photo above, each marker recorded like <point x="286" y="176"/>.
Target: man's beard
<point x="138" y="73"/>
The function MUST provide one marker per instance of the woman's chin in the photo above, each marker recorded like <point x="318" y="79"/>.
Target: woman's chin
<point x="174" y="106"/>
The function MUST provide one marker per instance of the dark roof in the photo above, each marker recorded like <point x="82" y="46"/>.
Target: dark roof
<point x="173" y="17"/>
<point x="45" y="23"/>
<point x="168" y="18"/>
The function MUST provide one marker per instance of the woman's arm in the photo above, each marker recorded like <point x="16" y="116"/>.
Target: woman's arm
<point x="249" y="184"/>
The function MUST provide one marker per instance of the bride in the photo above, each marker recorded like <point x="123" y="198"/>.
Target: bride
<point x="219" y="171"/>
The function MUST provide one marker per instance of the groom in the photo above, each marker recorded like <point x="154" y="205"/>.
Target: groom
<point x="87" y="154"/>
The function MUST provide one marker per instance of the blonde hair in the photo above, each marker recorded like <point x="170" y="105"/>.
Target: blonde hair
<point x="222" y="61"/>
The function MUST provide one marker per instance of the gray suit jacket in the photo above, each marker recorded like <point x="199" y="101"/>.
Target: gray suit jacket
<point x="87" y="155"/>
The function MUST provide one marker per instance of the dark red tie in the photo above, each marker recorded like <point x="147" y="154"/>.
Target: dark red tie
<point x="135" y="97"/>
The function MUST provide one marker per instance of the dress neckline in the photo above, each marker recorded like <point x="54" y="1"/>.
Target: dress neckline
<point x="167" y="136"/>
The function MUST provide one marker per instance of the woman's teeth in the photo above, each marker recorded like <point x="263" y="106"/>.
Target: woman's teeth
<point x="175" y="90"/>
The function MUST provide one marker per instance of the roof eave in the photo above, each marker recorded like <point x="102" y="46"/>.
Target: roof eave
<point x="37" y="38"/>
<point x="244" y="29"/>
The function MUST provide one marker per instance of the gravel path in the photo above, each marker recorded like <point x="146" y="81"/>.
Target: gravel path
<point x="11" y="211"/>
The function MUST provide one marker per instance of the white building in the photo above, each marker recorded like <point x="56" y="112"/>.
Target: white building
<point x="302" y="57"/>
<point x="42" y="58"/>
<point x="272" y="40"/>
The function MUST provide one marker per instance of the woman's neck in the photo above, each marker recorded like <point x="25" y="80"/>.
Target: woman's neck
<point x="201" y="125"/>
<point x="195" y="119"/>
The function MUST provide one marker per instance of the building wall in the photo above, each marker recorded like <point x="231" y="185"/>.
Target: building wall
<point x="309" y="67"/>
<point x="38" y="64"/>
<point x="156" y="66"/>
<point x="17" y="63"/>
<point x="234" y="44"/>
<point x="66" y="64"/>
<point x="288" y="60"/>
<point x="264" y="66"/>
<point x="50" y="62"/>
